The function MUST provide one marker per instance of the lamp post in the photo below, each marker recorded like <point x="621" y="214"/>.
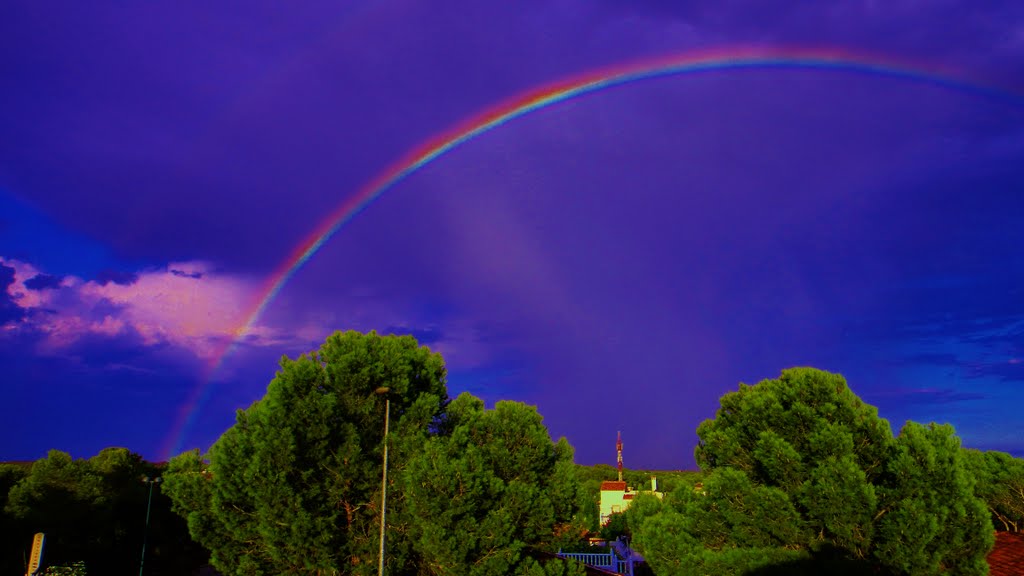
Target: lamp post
<point x="145" y="532"/>
<point x="383" y="391"/>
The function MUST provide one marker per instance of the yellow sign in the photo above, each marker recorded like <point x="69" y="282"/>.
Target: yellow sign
<point x="37" y="554"/>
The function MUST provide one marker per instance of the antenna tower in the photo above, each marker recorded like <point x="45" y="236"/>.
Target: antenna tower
<point x="618" y="448"/>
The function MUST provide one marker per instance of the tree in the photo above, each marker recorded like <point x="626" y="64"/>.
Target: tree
<point x="800" y="470"/>
<point x="490" y="491"/>
<point x="294" y="486"/>
<point x="1000" y="483"/>
<point x="60" y="496"/>
<point x="117" y="518"/>
<point x="12" y="550"/>
<point x="92" y="512"/>
<point x="929" y="520"/>
<point x="732" y="528"/>
<point x="72" y="569"/>
<point x="591" y="478"/>
<point x="616" y="526"/>
<point x="643" y="507"/>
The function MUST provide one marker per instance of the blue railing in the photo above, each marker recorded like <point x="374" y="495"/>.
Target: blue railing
<point x="590" y="559"/>
<point x="610" y="561"/>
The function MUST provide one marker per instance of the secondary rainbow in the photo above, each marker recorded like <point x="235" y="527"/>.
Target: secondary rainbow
<point x="732" y="58"/>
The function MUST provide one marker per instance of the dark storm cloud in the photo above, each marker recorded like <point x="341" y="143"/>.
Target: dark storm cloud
<point x="277" y="93"/>
<point x="929" y="396"/>
<point x="119" y="277"/>
<point x="986" y="348"/>
<point x="1009" y="371"/>
<point x="621" y="259"/>
<point x="182" y="274"/>
<point x="43" y="282"/>
<point x="991" y="332"/>
<point x="1006" y="335"/>
<point x="427" y="335"/>
<point x="129" y="354"/>
<point x="33" y="236"/>
<point x="10" y="311"/>
<point x="194" y="137"/>
<point x="951" y="241"/>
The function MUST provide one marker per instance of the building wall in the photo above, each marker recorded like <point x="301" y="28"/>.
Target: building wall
<point x="612" y="501"/>
<point x="615" y="497"/>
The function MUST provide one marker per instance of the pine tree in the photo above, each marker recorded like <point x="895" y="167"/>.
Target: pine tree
<point x="493" y="490"/>
<point x="804" y="477"/>
<point x="294" y="486"/>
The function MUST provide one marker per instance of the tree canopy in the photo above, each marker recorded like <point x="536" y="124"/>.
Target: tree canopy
<point x="800" y="476"/>
<point x="591" y="477"/>
<point x="93" y="514"/>
<point x="294" y="486"/>
<point x="1001" y="485"/>
<point x="491" y="488"/>
<point x="802" y="470"/>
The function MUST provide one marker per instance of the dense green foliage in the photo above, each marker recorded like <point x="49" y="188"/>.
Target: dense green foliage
<point x="72" y="569"/>
<point x="590" y="478"/>
<point x="800" y="470"/>
<point x="799" y="476"/>
<point x="489" y="489"/>
<point x="294" y="486"/>
<point x="930" y="521"/>
<point x="617" y="526"/>
<point x="93" y="513"/>
<point x="668" y="480"/>
<point x="13" y="547"/>
<point x="1001" y="485"/>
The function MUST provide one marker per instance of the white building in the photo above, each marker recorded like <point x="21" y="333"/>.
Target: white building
<point x="616" y="496"/>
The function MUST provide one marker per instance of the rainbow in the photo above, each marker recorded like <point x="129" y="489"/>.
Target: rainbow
<point x="732" y="58"/>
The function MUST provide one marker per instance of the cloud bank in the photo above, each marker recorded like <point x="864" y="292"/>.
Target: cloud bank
<point x="188" y="305"/>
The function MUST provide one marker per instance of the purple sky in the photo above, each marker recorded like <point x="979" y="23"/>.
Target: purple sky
<point x="621" y="260"/>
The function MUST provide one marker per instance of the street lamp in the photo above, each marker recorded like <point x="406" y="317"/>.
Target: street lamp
<point x="149" y="501"/>
<point x="383" y="391"/>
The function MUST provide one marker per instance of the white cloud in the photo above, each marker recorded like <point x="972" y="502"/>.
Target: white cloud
<point x="188" y="304"/>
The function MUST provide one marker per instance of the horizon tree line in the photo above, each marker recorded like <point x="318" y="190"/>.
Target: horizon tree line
<point x="799" y="475"/>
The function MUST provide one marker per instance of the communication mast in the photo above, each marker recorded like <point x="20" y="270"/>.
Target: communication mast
<point x="618" y="448"/>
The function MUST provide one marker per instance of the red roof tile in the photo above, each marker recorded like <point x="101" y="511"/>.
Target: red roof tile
<point x="613" y="485"/>
<point x="1007" y="558"/>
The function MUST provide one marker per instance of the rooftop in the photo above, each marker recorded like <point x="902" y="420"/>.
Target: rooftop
<point x="1007" y="558"/>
